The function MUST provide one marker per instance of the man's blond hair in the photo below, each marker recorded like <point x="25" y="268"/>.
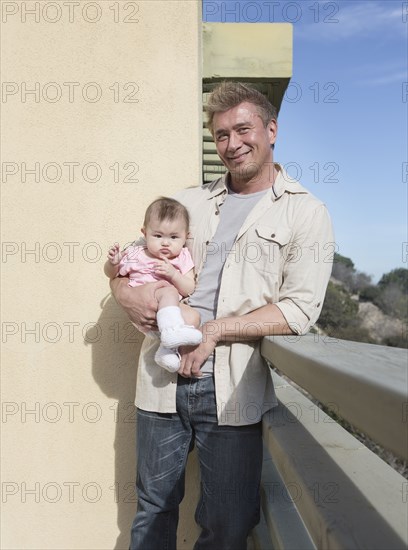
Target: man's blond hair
<point x="229" y="94"/>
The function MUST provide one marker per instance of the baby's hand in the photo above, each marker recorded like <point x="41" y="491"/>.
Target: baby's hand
<point x="114" y="254"/>
<point x="165" y="269"/>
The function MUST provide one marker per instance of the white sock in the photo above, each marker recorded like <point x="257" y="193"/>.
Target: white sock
<point x="169" y="316"/>
<point x="174" y="337"/>
<point x="167" y="358"/>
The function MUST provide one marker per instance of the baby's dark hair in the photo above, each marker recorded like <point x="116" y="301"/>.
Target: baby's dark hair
<point x="165" y="208"/>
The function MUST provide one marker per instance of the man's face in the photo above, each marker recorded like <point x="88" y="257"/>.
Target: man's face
<point x="243" y="143"/>
<point x="166" y="238"/>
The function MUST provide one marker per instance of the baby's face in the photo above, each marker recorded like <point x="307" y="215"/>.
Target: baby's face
<point x="166" y="238"/>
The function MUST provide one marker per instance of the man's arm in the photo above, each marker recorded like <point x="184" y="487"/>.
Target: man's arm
<point x="265" y="321"/>
<point x="301" y="296"/>
<point x="139" y="302"/>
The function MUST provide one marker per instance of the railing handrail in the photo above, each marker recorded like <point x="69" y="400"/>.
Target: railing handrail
<point x="366" y="384"/>
<point x="345" y="495"/>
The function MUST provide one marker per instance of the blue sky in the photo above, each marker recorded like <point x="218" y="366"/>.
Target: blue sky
<point x="343" y="125"/>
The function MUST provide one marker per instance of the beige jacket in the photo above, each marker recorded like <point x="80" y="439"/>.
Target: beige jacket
<point x="283" y="255"/>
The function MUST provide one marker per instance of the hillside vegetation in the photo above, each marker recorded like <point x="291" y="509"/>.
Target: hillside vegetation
<point x="356" y="309"/>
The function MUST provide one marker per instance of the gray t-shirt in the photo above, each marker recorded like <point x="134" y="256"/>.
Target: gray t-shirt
<point x="233" y="213"/>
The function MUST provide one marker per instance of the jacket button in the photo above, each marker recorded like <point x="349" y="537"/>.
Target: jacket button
<point x="273" y="235"/>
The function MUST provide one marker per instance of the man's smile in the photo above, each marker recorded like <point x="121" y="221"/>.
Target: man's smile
<point x="238" y="157"/>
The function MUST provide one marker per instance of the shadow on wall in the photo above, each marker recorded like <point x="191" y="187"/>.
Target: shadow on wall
<point x="115" y="352"/>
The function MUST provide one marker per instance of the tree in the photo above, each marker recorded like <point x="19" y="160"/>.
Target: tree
<point x="342" y="260"/>
<point x="361" y="281"/>
<point x="338" y="308"/>
<point x="397" y="277"/>
<point x="393" y="301"/>
<point x="339" y="315"/>
<point x="345" y="272"/>
<point x="392" y="298"/>
<point x="369" y="293"/>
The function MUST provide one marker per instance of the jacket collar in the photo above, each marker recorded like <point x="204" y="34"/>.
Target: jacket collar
<point x="283" y="184"/>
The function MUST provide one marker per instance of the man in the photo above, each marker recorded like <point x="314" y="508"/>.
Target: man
<point x="259" y="241"/>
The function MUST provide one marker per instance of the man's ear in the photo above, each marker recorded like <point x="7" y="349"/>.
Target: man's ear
<point x="272" y="131"/>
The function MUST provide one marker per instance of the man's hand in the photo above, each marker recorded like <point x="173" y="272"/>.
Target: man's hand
<point x="139" y="302"/>
<point x="192" y="358"/>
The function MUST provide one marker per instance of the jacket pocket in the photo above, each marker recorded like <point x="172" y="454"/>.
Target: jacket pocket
<point x="279" y="235"/>
<point x="274" y="244"/>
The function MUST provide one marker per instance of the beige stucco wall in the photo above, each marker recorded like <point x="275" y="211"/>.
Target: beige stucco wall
<point x="124" y="128"/>
<point x="247" y="50"/>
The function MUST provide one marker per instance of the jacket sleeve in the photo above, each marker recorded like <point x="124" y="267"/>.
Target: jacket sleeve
<point x="307" y="270"/>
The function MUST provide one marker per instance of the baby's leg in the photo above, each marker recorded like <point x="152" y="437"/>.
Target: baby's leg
<point x="167" y="296"/>
<point x="174" y="331"/>
<point x="190" y="315"/>
<point x="167" y="358"/>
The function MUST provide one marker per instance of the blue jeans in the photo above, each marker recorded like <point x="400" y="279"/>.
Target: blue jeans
<point x="230" y="460"/>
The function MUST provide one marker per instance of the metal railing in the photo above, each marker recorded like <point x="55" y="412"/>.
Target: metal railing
<point x="322" y="488"/>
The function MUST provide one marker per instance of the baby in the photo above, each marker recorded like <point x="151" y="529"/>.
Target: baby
<point x="164" y="256"/>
